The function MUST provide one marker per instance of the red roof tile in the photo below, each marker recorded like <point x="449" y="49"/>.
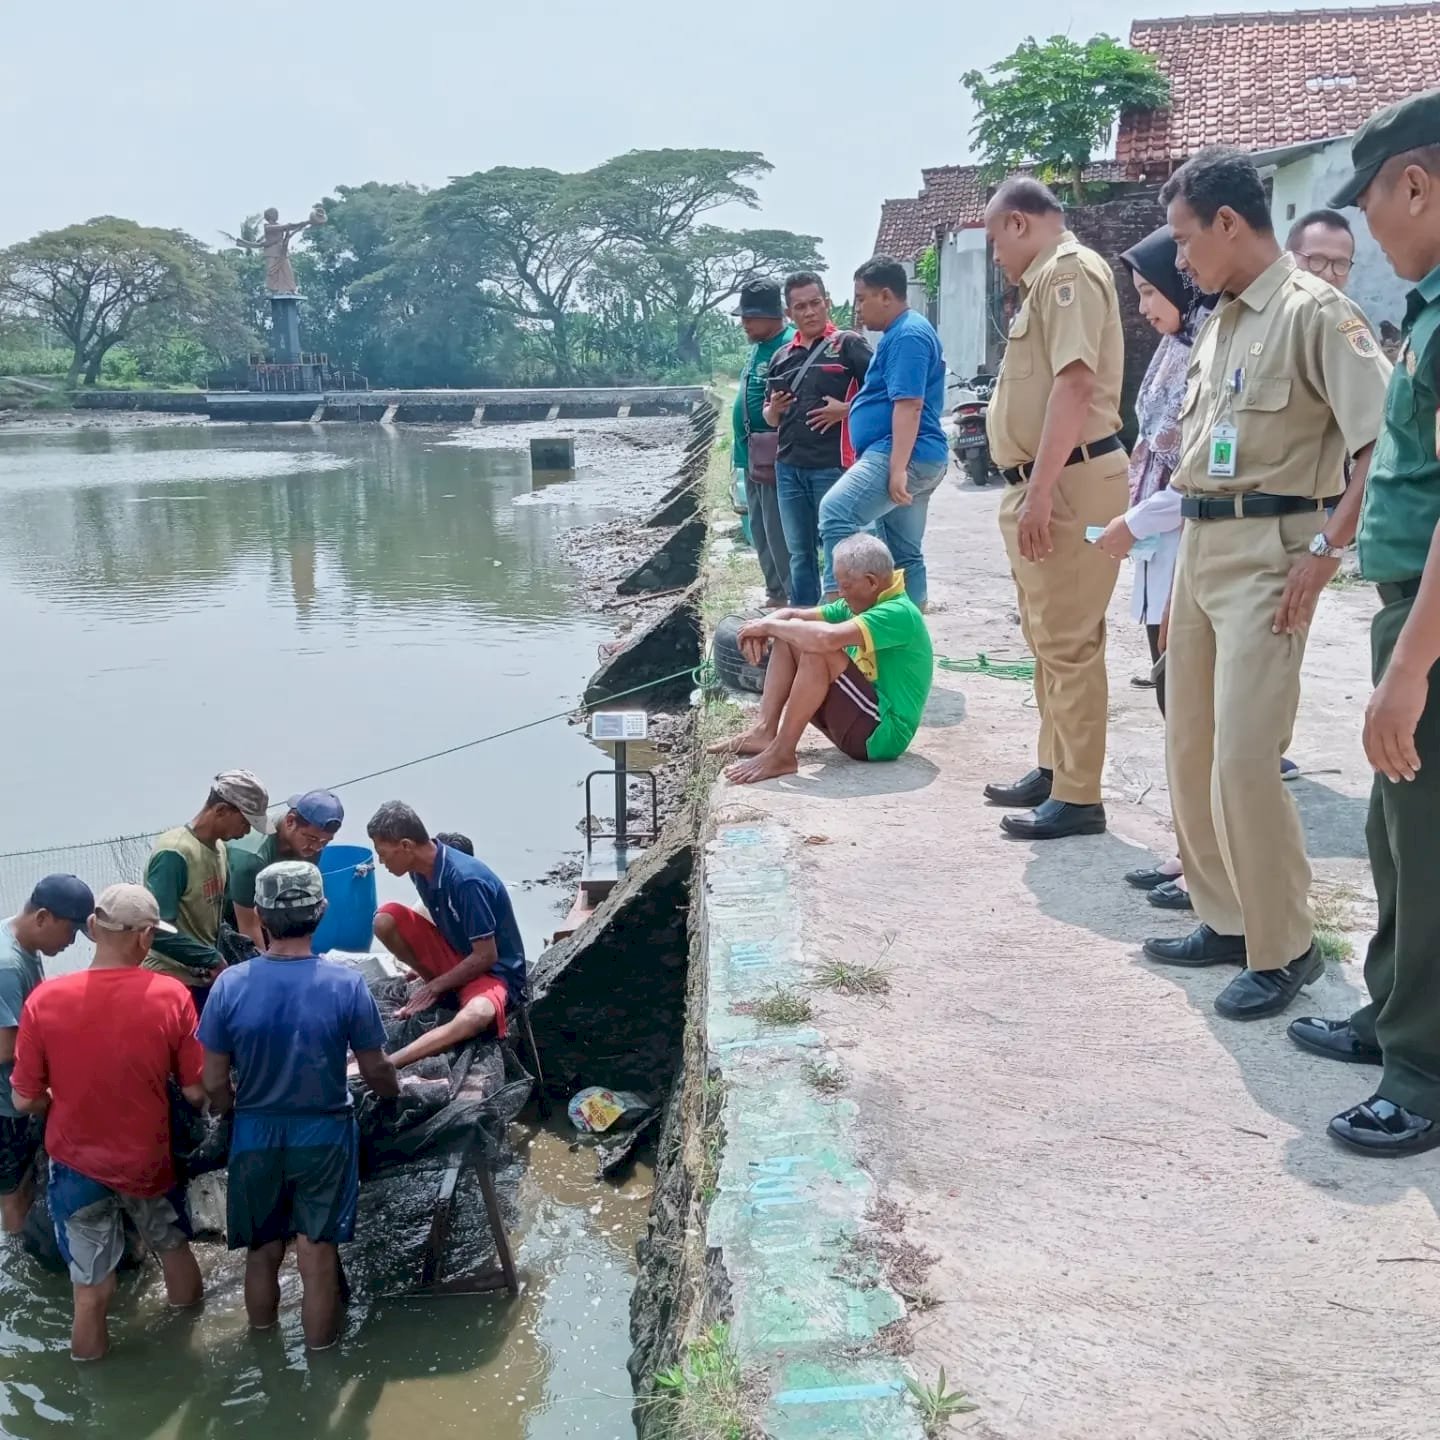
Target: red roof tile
<point x="1264" y="81"/>
<point x="903" y="232"/>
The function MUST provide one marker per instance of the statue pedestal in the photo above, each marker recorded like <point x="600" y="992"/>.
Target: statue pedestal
<point x="285" y="328"/>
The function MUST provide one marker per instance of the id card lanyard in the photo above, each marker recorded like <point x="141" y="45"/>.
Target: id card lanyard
<point x="1223" y="434"/>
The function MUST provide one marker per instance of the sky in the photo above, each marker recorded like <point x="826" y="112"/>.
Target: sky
<point x="195" y="115"/>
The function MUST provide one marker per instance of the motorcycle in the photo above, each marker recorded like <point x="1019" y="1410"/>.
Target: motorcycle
<point x="971" y="445"/>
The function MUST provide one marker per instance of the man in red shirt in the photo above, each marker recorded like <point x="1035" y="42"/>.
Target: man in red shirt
<point x="95" y="1053"/>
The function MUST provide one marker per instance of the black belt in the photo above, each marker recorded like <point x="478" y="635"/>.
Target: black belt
<point x="1247" y="505"/>
<point x="1019" y="474"/>
<point x="1393" y="590"/>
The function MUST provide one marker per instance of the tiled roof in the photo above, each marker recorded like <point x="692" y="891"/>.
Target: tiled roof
<point x="954" y="198"/>
<point x="1265" y="81"/>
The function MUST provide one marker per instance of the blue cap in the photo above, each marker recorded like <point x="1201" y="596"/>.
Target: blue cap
<point x="320" y="808"/>
<point x="65" y="896"/>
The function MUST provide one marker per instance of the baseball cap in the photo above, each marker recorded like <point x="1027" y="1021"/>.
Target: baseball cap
<point x="129" y="907"/>
<point x="320" y="808"/>
<point x="1407" y="126"/>
<point x="66" y="897"/>
<point x="245" y="792"/>
<point x="760" y="298"/>
<point x="288" y="885"/>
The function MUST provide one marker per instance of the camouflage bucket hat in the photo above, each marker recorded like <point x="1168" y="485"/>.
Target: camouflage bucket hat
<point x="288" y="885"/>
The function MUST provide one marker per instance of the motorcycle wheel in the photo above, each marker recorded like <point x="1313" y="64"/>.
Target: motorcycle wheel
<point x="977" y="467"/>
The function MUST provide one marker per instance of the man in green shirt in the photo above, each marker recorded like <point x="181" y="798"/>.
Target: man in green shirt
<point x="188" y="873"/>
<point x="756" y="442"/>
<point x="1396" y="160"/>
<point x="306" y="828"/>
<point x="858" y="669"/>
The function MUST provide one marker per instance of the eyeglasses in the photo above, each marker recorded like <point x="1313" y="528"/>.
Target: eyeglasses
<point x="1319" y="264"/>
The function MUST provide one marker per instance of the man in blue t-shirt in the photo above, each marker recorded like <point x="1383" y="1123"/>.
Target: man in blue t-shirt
<point x="900" y="449"/>
<point x="286" y="1021"/>
<point x="468" y="946"/>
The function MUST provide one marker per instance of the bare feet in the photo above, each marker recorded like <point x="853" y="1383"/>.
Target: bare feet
<point x="766" y="766"/>
<point x="754" y="741"/>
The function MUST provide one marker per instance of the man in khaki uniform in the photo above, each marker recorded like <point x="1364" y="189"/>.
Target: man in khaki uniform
<point x="1053" y="426"/>
<point x="1286" y="381"/>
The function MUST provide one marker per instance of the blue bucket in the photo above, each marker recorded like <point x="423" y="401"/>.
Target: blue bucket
<point x="349" y="875"/>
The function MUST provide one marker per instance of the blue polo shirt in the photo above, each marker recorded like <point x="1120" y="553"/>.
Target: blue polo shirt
<point x="468" y="901"/>
<point x="908" y="365"/>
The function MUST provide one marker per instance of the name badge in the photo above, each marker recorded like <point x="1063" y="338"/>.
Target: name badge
<point x="1222" y="450"/>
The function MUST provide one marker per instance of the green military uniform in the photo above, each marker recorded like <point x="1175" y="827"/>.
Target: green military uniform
<point x="188" y="880"/>
<point x="1399" y="519"/>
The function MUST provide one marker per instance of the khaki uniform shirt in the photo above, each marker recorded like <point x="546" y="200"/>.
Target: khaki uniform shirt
<point x="1068" y="312"/>
<point x="1312" y="388"/>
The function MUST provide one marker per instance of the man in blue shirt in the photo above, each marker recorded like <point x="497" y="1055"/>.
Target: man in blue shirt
<point x="468" y="947"/>
<point x="286" y="1021"/>
<point x="895" y="429"/>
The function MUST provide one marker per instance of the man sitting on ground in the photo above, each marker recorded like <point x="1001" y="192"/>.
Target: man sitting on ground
<point x="287" y="1020"/>
<point x="58" y="909"/>
<point x="306" y="828"/>
<point x="96" y="1053"/>
<point x="471" y="948"/>
<point x="858" y="669"/>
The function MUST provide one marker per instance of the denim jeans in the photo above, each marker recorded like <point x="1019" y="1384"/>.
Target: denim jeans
<point x="801" y="492"/>
<point x="860" y="500"/>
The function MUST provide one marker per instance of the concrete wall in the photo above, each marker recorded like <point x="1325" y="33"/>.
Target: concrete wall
<point x="1307" y="184"/>
<point x="964" y="296"/>
<point x="169" y="402"/>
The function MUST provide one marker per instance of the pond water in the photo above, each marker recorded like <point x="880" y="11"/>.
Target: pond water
<point x="314" y="604"/>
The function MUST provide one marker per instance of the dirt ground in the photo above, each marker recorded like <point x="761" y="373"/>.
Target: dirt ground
<point x="1142" y="1228"/>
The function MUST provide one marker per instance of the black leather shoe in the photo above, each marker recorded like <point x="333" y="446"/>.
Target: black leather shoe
<point x="1149" y="879"/>
<point x="1380" y="1127"/>
<point x="1334" y="1039"/>
<point x="1170" y="896"/>
<point x="1254" y="994"/>
<point x="1054" y="820"/>
<point x="1202" y="946"/>
<point x="1024" y="794"/>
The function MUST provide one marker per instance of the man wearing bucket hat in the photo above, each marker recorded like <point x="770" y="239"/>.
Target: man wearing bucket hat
<point x="288" y="1021"/>
<point x="1396" y="182"/>
<point x="188" y="873"/>
<point x="97" y="1051"/>
<point x="307" y="827"/>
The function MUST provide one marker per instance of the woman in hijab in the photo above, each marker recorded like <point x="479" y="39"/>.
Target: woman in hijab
<point x="1172" y="305"/>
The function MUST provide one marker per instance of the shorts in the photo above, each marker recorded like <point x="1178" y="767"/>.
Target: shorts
<point x="19" y="1145"/>
<point x="292" y="1175"/>
<point x="90" y="1223"/>
<point x="850" y="714"/>
<point x="434" y="958"/>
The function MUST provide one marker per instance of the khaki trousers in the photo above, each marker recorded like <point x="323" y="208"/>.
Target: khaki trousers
<point x="1232" y="689"/>
<point x="1062" y="614"/>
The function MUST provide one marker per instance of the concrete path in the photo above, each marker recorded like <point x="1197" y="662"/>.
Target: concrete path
<point x="1141" y="1229"/>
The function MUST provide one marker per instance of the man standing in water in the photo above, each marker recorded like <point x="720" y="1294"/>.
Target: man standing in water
<point x="288" y="1021"/>
<point x="96" y="1054"/>
<point x="188" y="873"/>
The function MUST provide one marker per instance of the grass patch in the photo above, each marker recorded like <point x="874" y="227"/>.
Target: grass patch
<point x="706" y="1396"/>
<point x="1346" y="579"/>
<point x="846" y="977"/>
<point x="1333" y="947"/>
<point x="1333" y="908"/>
<point x="937" y="1403"/>
<point x="712" y="1137"/>
<point x="727" y="586"/>
<point x="823" y="1077"/>
<point x="718" y="719"/>
<point x="783" y="1007"/>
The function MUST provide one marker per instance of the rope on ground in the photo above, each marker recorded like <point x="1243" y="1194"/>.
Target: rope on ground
<point x="982" y="664"/>
<point x="694" y="673"/>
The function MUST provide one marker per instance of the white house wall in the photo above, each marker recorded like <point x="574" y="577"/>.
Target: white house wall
<point x="964" y="300"/>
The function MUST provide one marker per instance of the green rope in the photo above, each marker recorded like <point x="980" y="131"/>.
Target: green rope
<point x="982" y="664"/>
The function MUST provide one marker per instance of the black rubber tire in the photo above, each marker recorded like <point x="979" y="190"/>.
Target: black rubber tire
<point x="731" y="667"/>
<point x="977" y="467"/>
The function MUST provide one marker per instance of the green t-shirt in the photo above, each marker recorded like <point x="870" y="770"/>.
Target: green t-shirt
<point x="753" y="380"/>
<point x="245" y="865"/>
<point x="897" y="659"/>
<point x="1402" y="490"/>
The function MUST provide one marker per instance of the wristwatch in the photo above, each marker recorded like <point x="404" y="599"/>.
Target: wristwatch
<point x="1321" y="547"/>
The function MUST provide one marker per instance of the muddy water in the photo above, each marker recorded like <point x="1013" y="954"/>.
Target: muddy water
<point x="316" y="604"/>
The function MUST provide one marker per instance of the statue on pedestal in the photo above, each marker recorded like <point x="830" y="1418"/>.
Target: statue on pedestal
<point x="275" y="244"/>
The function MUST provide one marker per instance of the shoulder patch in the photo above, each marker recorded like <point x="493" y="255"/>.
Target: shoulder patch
<point x="1065" y="290"/>
<point x="1358" y="336"/>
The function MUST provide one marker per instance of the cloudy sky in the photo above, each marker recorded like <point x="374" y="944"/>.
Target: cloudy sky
<point x="195" y="115"/>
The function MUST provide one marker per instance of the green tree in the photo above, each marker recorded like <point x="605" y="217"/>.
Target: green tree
<point x="1054" y="105"/>
<point x="99" y="282"/>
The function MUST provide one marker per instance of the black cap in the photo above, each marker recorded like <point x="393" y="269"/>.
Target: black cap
<point x="65" y="897"/>
<point x="760" y="299"/>
<point x="1407" y="126"/>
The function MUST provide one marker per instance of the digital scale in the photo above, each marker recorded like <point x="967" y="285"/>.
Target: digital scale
<point x="609" y="853"/>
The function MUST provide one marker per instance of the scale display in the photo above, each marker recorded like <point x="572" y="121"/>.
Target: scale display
<point x="619" y="725"/>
